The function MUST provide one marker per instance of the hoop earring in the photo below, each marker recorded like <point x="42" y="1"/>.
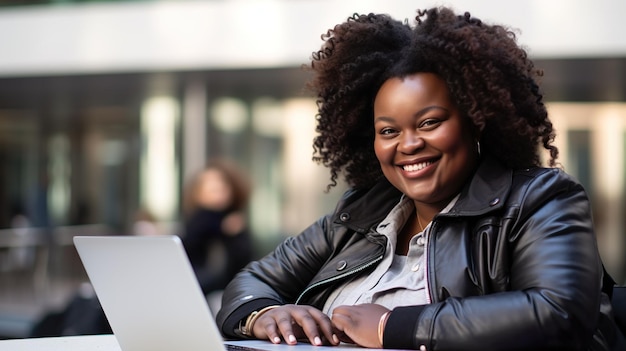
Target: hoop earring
<point x="478" y="147"/>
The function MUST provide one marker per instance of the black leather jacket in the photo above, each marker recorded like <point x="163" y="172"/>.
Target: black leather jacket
<point x="513" y="265"/>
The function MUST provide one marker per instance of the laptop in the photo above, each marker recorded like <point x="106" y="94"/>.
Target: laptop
<point x="152" y="299"/>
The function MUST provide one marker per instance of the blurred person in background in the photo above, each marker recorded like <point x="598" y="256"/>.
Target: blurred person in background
<point x="216" y="235"/>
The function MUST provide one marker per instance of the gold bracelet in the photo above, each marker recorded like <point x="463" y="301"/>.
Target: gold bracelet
<point x="247" y="328"/>
<point x="381" y="326"/>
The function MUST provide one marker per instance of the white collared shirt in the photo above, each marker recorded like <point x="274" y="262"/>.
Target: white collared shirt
<point x="398" y="280"/>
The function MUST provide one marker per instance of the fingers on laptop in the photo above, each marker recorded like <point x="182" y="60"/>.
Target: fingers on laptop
<point x="293" y="322"/>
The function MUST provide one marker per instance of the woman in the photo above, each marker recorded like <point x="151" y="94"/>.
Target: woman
<point x="216" y="236"/>
<point x="453" y="236"/>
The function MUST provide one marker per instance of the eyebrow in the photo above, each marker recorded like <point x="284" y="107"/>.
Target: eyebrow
<point x="416" y="115"/>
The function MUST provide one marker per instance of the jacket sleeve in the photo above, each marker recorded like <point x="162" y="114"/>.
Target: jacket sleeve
<point x="277" y="278"/>
<point x="554" y="289"/>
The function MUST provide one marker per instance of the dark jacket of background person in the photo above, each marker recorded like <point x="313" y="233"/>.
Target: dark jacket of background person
<point x="204" y="236"/>
<point x="537" y="216"/>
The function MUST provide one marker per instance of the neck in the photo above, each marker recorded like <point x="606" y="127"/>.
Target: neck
<point x="412" y="226"/>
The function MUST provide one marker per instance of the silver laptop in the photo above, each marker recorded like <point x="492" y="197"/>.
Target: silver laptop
<point x="151" y="297"/>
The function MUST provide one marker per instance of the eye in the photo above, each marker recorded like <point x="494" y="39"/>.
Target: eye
<point x="387" y="131"/>
<point x="430" y="123"/>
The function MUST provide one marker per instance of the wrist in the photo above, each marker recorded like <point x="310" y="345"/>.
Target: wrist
<point x="381" y="326"/>
<point x="246" y="328"/>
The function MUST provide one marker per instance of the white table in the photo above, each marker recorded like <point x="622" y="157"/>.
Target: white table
<point x="109" y="343"/>
<point x="66" y="343"/>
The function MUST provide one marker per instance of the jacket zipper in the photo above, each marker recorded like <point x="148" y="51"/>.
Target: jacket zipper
<point x="429" y="293"/>
<point x="337" y="277"/>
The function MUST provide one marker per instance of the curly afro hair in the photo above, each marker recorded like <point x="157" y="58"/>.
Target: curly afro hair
<point x="489" y="76"/>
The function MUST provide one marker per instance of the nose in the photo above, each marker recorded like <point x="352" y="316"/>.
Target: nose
<point x="410" y="143"/>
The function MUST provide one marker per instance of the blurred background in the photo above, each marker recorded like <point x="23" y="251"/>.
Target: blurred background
<point x="108" y="107"/>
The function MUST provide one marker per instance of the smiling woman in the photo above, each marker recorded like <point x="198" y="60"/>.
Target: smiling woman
<point x="455" y="235"/>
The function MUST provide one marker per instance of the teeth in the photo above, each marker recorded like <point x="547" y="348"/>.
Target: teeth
<point x="416" y="167"/>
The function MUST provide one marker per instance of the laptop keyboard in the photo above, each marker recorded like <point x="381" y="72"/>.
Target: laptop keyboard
<point x="241" y="348"/>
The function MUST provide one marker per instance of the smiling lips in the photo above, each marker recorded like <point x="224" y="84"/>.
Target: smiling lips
<point x="416" y="166"/>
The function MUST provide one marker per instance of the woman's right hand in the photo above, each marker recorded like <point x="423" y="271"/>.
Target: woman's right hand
<point x="293" y="322"/>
